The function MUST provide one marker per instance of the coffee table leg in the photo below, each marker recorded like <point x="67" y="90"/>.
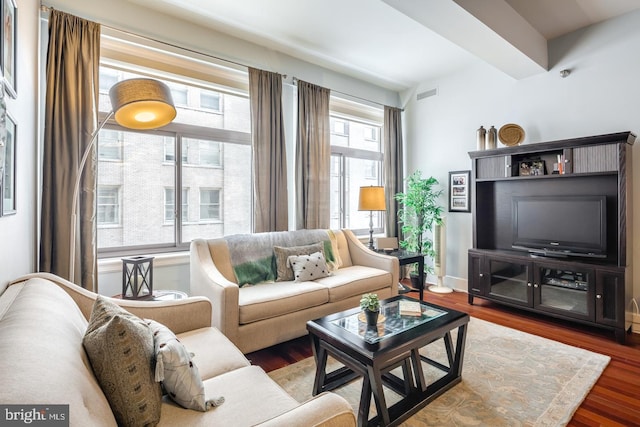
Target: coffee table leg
<point x="320" y="355"/>
<point x="365" y="403"/>
<point x="375" y="377"/>
<point x="460" y="345"/>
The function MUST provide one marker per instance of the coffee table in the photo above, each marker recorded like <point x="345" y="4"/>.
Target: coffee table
<point x="372" y="352"/>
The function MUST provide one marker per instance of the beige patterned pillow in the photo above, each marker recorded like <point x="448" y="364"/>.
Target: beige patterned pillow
<point x="120" y="348"/>
<point x="177" y="372"/>
<point x="283" y="271"/>
<point x="308" y="267"/>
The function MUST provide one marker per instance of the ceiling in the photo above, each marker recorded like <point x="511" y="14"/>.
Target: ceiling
<point x="399" y="43"/>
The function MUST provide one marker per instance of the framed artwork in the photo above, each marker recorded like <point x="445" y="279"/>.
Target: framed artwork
<point x="531" y="168"/>
<point x="459" y="191"/>
<point x="9" y="169"/>
<point x="9" y="36"/>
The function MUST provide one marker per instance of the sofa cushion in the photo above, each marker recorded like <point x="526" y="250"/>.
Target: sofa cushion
<point x="308" y="267"/>
<point x="269" y="300"/>
<point x="176" y="371"/>
<point x="225" y="358"/>
<point x="356" y="280"/>
<point x="250" y="398"/>
<point x="282" y="254"/>
<point x="120" y="348"/>
<point x="42" y="360"/>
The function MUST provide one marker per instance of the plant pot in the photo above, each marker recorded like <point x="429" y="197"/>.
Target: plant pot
<point x="372" y="317"/>
<point x="415" y="281"/>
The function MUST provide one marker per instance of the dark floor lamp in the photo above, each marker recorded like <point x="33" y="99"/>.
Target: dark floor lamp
<point x="135" y="104"/>
<point x="371" y="199"/>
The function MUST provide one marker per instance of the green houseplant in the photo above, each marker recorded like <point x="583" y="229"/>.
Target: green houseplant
<point x="370" y="304"/>
<point x="419" y="212"/>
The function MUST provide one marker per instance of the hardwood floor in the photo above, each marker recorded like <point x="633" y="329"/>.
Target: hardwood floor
<point x="613" y="401"/>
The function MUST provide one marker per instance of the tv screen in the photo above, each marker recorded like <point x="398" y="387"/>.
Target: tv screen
<point x="560" y="226"/>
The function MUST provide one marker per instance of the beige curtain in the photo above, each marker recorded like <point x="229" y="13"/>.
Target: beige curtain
<point x="313" y="157"/>
<point x="269" y="153"/>
<point x="393" y="169"/>
<point x="71" y="109"/>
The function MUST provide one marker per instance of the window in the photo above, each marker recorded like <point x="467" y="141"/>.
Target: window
<point x="189" y="153"/>
<point x="209" y="205"/>
<point x="108" y="205"/>
<point x="109" y="147"/>
<point x="356" y="161"/>
<point x="210" y="100"/>
<point x="170" y="204"/>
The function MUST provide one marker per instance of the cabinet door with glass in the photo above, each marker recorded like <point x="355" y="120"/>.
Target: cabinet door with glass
<point x="509" y="281"/>
<point x="565" y="290"/>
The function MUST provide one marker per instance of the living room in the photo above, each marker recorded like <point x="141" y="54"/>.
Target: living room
<point x="597" y="97"/>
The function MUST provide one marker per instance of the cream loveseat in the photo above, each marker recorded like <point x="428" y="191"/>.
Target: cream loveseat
<point x="260" y="315"/>
<point x="42" y="361"/>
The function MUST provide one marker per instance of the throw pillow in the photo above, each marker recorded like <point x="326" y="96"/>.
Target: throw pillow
<point x="120" y="348"/>
<point x="308" y="267"/>
<point x="177" y="372"/>
<point x="284" y="272"/>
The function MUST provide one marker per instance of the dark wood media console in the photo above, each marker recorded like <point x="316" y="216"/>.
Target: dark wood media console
<point x="595" y="291"/>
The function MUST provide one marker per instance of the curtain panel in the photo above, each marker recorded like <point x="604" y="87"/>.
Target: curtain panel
<point x="393" y="167"/>
<point x="313" y="157"/>
<point x="269" y="152"/>
<point x="71" y="111"/>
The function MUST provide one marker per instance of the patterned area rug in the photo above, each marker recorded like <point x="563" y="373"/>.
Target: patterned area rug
<point x="509" y="378"/>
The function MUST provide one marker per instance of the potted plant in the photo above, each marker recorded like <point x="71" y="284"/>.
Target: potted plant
<point x="419" y="212"/>
<point x="370" y="305"/>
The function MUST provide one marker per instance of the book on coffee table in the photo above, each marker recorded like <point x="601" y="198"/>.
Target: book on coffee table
<point x="410" y="308"/>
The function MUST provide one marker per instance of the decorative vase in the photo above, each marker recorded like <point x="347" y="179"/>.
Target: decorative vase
<point x="491" y="138"/>
<point x="480" y="136"/>
<point x="372" y="317"/>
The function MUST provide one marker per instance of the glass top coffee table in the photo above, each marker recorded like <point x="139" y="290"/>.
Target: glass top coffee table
<point x="372" y="352"/>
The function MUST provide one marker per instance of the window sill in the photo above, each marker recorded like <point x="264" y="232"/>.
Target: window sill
<point x="109" y="265"/>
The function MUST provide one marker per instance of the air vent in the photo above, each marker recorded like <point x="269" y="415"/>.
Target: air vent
<point x="427" y="94"/>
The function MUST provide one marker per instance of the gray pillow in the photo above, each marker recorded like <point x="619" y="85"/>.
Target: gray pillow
<point x="308" y="267"/>
<point x="177" y="372"/>
<point x="283" y="271"/>
<point x="120" y="348"/>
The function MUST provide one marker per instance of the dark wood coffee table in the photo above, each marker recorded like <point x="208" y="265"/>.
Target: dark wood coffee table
<point x="372" y="352"/>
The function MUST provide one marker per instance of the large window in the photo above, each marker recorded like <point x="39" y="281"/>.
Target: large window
<point x="138" y="171"/>
<point x="356" y="161"/>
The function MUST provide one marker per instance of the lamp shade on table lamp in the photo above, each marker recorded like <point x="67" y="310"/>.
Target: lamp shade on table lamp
<point x="371" y="199"/>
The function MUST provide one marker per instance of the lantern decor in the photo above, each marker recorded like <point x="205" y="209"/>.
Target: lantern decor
<point x="137" y="277"/>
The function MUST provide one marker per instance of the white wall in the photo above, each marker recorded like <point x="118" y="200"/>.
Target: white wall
<point x="600" y="96"/>
<point x="17" y="232"/>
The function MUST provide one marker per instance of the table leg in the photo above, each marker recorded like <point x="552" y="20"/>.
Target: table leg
<point x="365" y="403"/>
<point x="421" y="277"/>
<point x="375" y="378"/>
<point x="460" y="345"/>
<point x="320" y="355"/>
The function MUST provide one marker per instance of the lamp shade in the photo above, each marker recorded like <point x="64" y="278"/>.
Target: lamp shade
<point x="372" y="199"/>
<point x="142" y="103"/>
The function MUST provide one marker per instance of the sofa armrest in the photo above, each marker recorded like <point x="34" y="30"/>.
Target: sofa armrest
<point x="361" y="255"/>
<point x="179" y="315"/>
<point x="326" y="409"/>
<point x="208" y="281"/>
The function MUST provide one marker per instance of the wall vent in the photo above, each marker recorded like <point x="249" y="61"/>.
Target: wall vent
<point x="427" y="94"/>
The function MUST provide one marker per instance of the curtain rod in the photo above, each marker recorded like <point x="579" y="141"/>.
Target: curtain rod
<point x="47" y="9"/>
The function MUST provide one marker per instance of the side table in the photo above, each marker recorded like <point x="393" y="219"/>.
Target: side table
<point x="405" y="258"/>
<point x="168" y="295"/>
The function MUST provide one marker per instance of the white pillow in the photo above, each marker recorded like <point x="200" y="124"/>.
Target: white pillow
<point x="177" y="372"/>
<point x="308" y="267"/>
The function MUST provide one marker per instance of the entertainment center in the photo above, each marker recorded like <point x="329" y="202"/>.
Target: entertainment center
<point x="557" y="241"/>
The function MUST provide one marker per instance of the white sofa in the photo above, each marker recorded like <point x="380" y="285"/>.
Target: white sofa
<point x="43" y="319"/>
<point x="259" y="316"/>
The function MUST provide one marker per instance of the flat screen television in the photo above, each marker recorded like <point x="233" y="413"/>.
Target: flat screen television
<point x="560" y="225"/>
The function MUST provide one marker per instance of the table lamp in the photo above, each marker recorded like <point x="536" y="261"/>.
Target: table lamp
<point x="138" y="103"/>
<point x="372" y="199"/>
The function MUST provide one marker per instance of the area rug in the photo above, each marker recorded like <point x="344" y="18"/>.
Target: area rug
<point x="509" y="378"/>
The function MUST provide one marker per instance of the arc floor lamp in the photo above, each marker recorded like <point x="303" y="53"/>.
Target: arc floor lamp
<point x="138" y="103"/>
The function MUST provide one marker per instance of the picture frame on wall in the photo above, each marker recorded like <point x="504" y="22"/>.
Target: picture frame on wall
<point x="459" y="191"/>
<point x="9" y="169"/>
<point x="8" y="50"/>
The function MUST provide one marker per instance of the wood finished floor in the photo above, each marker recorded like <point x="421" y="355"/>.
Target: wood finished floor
<point x="613" y="401"/>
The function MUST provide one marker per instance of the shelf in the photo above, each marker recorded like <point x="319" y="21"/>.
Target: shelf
<point x="552" y="176"/>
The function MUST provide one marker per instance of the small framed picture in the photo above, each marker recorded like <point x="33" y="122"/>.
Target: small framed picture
<point x="9" y="169"/>
<point x="531" y="168"/>
<point x="8" y="56"/>
<point x="459" y="191"/>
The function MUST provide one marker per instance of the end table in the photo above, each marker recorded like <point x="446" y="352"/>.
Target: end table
<point x="405" y="257"/>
